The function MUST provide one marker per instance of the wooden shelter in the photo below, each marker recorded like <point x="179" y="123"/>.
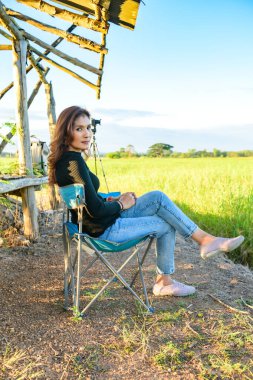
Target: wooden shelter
<point x="93" y="15"/>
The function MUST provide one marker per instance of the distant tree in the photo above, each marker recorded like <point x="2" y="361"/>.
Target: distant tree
<point x="6" y="139"/>
<point x="216" y="152"/>
<point x="113" y="155"/>
<point x="130" y="150"/>
<point x="159" y="150"/>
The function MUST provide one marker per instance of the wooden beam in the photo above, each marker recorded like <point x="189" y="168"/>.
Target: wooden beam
<point x="36" y="89"/>
<point x="8" y="23"/>
<point x="51" y="115"/>
<point x="29" y="68"/>
<point x="70" y="37"/>
<point x="5" y="47"/>
<point x="65" y="56"/>
<point x="19" y="63"/>
<point x="9" y="185"/>
<point x="6" y="35"/>
<point x="36" y="66"/>
<point x="72" y="73"/>
<point x="63" y="14"/>
<point x="30" y="212"/>
<point x="101" y="65"/>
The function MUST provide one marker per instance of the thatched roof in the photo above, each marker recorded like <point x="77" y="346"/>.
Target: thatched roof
<point x="90" y="14"/>
<point x="121" y="12"/>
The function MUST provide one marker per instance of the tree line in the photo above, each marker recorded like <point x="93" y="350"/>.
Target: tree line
<point x="165" y="150"/>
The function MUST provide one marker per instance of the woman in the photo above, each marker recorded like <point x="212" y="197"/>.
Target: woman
<point x="126" y="217"/>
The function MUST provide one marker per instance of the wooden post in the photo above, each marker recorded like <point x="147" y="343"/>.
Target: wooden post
<point x="30" y="212"/>
<point x="51" y="114"/>
<point x="36" y="89"/>
<point x="51" y="118"/>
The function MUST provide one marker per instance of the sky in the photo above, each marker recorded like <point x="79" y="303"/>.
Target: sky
<point x="183" y="77"/>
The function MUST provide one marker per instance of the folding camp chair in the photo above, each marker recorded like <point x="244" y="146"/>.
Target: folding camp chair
<point x="74" y="198"/>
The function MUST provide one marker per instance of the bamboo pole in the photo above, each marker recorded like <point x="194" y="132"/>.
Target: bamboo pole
<point x="60" y="54"/>
<point x="51" y="114"/>
<point x="81" y="41"/>
<point x="29" y="68"/>
<point x="5" y="47"/>
<point x="101" y="65"/>
<point x="19" y="62"/>
<point x="6" y="35"/>
<point x="7" y="22"/>
<point x="50" y="108"/>
<point x="63" y="14"/>
<point x="36" y="89"/>
<point x="9" y="185"/>
<point x="72" y="73"/>
<point x="101" y="13"/>
<point x="30" y="212"/>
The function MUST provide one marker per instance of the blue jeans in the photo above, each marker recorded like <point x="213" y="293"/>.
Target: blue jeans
<point x="154" y="213"/>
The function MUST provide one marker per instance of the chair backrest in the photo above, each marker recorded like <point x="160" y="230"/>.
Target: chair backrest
<point x="73" y="195"/>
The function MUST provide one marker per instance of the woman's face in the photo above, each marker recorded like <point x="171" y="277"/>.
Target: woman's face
<point x="81" y="134"/>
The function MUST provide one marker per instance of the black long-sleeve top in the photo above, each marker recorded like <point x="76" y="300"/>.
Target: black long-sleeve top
<point x="99" y="214"/>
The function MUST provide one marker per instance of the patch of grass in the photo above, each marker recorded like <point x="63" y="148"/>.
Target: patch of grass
<point x="226" y="368"/>
<point x="5" y="202"/>
<point x="15" y="364"/>
<point x="135" y="337"/>
<point x="175" y="355"/>
<point x="9" y="165"/>
<point x="172" y="316"/>
<point x="80" y="365"/>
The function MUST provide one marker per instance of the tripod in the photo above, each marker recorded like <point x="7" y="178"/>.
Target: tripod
<point x="95" y="151"/>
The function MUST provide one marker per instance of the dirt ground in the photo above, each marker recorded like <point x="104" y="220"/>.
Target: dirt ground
<point x="116" y="340"/>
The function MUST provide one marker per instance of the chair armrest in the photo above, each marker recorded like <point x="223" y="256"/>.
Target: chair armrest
<point x="112" y="194"/>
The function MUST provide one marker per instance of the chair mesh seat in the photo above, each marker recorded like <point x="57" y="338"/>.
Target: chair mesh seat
<point x="105" y="245"/>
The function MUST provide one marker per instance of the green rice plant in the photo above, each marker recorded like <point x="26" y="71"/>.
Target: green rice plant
<point x="217" y="193"/>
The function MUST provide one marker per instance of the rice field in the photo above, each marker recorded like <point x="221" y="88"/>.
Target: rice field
<point x="217" y="193"/>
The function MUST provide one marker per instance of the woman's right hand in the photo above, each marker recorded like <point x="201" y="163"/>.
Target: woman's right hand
<point x="128" y="200"/>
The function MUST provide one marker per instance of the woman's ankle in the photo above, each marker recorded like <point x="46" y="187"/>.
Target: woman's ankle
<point x="202" y="237"/>
<point x="163" y="280"/>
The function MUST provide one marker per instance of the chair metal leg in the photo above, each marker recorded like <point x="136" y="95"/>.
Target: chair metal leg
<point x="109" y="281"/>
<point x="143" y="283"/>
<point x="142" y="261"/>
<point x="120" y="278"/>
<point x="69" y="274"/>
<point x="89" y="266"/>
<point x="77" y="294"/>
<point x="73" y="274"/>
<point x="66" y="268"/>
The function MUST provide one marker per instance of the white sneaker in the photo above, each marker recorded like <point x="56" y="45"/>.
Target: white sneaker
<point x="219" y="245"/>
<point x="175" y="289"/>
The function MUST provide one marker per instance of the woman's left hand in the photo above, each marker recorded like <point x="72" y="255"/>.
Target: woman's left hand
<point x="113" y="199"/>
<point x="132" y="194"/>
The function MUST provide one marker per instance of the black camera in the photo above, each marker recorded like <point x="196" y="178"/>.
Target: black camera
<point x="94" y="123"/>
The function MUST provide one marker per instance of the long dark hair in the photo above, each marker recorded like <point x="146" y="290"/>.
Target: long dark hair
<point x="63" y="136"/>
